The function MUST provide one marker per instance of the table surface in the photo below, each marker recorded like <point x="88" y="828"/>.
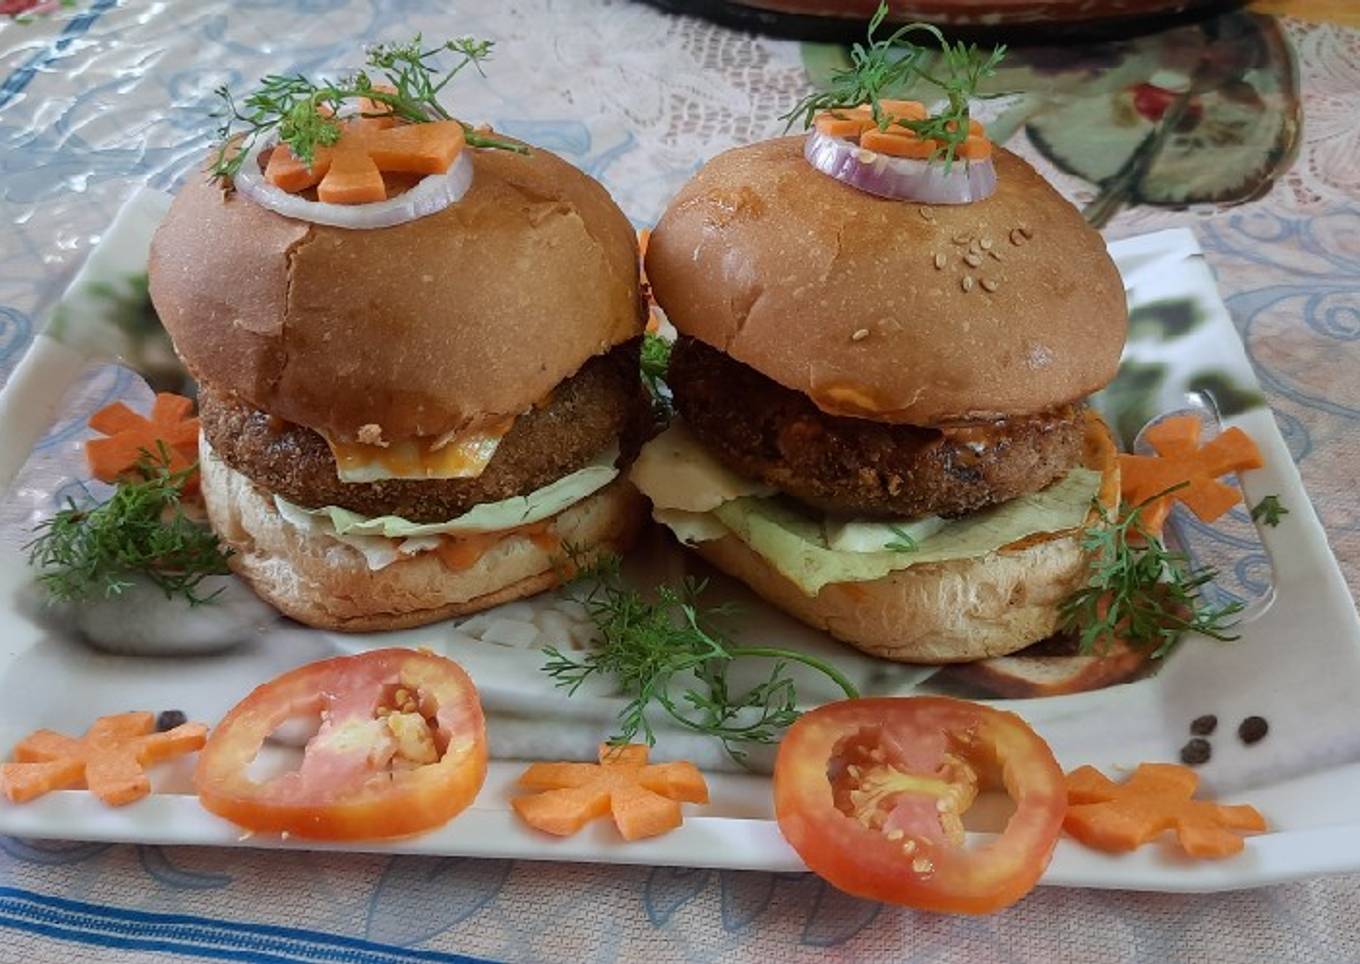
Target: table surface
<point x="98" y="96"/>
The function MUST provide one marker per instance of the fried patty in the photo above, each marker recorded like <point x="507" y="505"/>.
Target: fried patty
<point x="850" y="465"/>
<point x="602" y="403"/>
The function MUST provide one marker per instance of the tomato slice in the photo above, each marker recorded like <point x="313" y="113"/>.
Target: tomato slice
<point x="401" y="749"/>
<point x="870" y="793"/>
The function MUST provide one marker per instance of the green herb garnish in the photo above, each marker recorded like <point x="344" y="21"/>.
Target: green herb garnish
<point x="884" y="65"/>
<point x="648" y="648"/>
<point x="656" y="360"/>
<point x="94" y="551"/>
<point x="1140" y="591"/>
<point x="901" y="541"/>
<point x="306" y="115"/>
<point x="1269" y="510"/>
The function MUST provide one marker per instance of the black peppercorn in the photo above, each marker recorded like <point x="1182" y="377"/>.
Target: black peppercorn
<point x="169" y="719"/>
<point x="1195" y="752"/>
<point x="1253" y="730"/>
<point x="1204" y="725"/>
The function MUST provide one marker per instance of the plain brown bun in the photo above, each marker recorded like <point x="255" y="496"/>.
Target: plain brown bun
<point x="944" y="612"/>
<point x="834" y="292"/>
<point x="449" y="321"/>
<point x="324" y="583"/>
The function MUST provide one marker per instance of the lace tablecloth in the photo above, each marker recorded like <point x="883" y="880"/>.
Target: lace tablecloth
<point x="97" y="96"/>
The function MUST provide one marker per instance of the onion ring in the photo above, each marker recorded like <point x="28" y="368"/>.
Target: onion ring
<point x="900" y="178"/>
<point x="430" y="195"/>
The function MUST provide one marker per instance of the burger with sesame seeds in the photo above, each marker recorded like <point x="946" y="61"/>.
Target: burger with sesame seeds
<point x="882" y="422"/>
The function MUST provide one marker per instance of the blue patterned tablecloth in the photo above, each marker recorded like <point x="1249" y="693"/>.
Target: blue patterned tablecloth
<point x="97" y="96"/>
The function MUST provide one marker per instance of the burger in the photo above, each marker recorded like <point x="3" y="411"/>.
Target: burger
<point x="882" y="408"/>
<point x="416" y="421"/>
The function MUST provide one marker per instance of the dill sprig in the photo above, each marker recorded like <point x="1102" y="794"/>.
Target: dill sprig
<point x="645" y="646"/>
<point x="95" y="550"/>
<point x="1140" y="591"/>
<point x="405" y="78"/>
<point x="883" y="65"/>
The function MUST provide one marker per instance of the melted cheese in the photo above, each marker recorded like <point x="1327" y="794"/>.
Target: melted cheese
<point x="463" y="455"/>
<point x="676" y="472"/>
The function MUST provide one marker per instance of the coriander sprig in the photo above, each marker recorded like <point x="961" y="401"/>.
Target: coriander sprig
<point x="94" y="551"/>
<point x="1139" y="591"/>
<point x="646" y="645"/>
<point x="405" y="78"/>
<point x="876" y="69"/>
<point x="1269" y="511"/>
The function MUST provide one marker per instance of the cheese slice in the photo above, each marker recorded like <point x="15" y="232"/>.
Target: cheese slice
<point x="462" y="455"/>
<point x="676" y="472"/>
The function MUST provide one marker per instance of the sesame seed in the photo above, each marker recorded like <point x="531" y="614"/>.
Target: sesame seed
<point x="989" y="285"/>
<point x="960" y="239"/>
<point x="1018" y="237"/>
<point x="860" y="335"/>
<point x="940" y="261"/>
<point x="986" y="244"/>
<point x="922" y="866"/>
<point x="967" y="282"/>
<point x="928" y="213"/>
<point x="972" y="259"/>
<point x="895" y="834"/>
<point x="995" y="254"/>
<point x="909" y="847"/>
<point x="1026" y="230"/>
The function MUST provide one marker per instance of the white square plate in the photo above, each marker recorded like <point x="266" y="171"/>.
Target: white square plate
<point x="1297" y="662"/>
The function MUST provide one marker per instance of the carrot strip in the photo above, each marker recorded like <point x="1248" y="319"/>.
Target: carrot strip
<point x="1182" y="461"/>
<point x="417" y="148"/>
<point x="894" y="144"/>
<point x="643" y="798"/>
<point x="1157" y="798"/>
<point x="110" y="759"/>
<point x="976" y="148"/>
<point x="132" y="437"/>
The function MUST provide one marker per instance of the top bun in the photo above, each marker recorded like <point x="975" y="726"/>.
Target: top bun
<point x="835" y="293"/>
<point x="447" y="322"/>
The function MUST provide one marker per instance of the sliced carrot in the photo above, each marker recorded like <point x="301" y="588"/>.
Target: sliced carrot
<point x="1176" y="437"/>
<point x="417" y="148"/>
<point x="833" y="126"/>
<point x="110" y="759"/>
<point x="894" y="144"/>
<point x="643" y="798"/>
<point x="1182" y="461"/>
<point x="286" y="171"/>
<point x="132" y="438"/>
<point x="350" y="171"/>
<point x="975" y="148"/>
<point x="1157" y="798"/>
<point x="904" y="109"/>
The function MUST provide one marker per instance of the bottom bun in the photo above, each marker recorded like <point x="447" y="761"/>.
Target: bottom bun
<point x="322" y="582"/>
<point x="948" y="612"/>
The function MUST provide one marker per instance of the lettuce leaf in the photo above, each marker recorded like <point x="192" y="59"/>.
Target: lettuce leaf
<point x="488" y="517"/>
<point x="795" y="544"/>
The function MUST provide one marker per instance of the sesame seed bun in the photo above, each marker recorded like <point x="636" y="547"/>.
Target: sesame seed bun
<point x="836" y="293"/>
<point x="447" y="322"/>
<point x="325" y="583"/>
